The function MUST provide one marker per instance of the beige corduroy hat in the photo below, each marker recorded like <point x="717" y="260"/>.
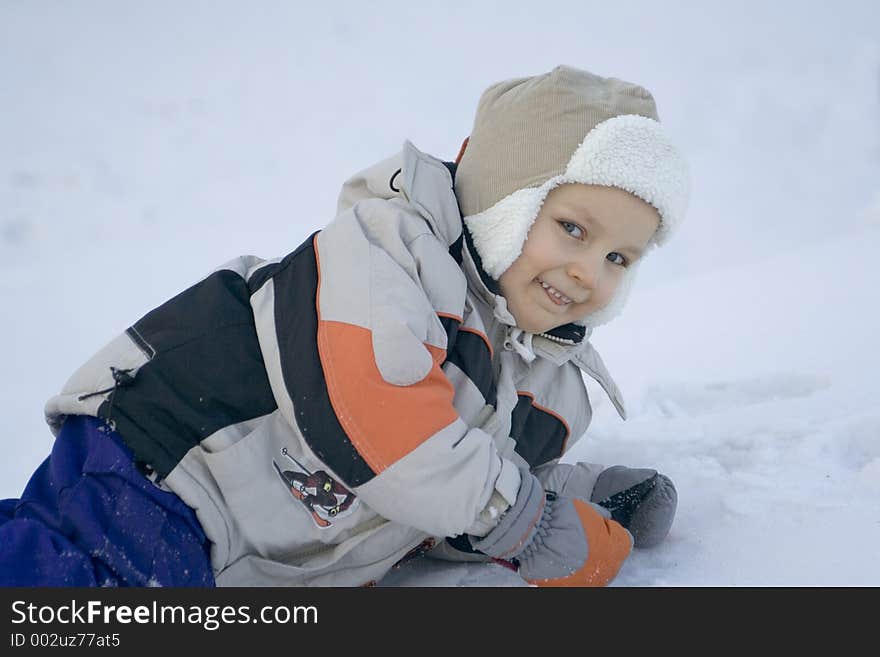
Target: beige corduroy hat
<point x="567" y="126"/>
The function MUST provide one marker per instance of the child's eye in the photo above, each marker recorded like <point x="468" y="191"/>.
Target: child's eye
<point x="617" y="259"/>
<point x="572" y="229"/>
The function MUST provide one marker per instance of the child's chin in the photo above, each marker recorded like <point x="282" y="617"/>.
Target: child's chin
<point x="543" y="320"/>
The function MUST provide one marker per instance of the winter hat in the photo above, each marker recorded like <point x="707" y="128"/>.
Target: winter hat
<point x="566" y="126"/>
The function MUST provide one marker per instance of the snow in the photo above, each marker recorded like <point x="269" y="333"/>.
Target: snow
<point x="772" y="436"/>
<point x="144" y="144"/>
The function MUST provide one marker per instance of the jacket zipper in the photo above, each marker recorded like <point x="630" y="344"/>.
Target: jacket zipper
<point x="565" y="341"/>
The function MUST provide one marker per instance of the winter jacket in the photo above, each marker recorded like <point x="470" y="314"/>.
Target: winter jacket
<point x="326" y="412"/>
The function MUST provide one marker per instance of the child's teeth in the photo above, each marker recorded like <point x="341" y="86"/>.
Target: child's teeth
<point x="555" y="292"/>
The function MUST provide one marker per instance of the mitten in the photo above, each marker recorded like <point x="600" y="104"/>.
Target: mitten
<point x="555" y="540"/>
<point x="642" y="500"/>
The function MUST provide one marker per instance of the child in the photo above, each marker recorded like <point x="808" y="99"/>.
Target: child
<point x="404" y="382"/>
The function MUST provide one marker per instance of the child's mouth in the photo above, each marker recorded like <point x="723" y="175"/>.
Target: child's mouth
<point x="555" y="295"/>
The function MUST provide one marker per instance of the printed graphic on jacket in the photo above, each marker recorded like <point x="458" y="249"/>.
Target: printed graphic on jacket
<point x="324" y="497"/>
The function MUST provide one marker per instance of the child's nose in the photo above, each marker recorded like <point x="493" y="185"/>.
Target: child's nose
<point x="585" y="272"/>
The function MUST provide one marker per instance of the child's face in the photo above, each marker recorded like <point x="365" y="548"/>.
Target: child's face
<point x="575" y="254"/>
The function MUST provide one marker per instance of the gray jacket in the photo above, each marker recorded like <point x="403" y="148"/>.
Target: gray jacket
<point x="326" y="412"/>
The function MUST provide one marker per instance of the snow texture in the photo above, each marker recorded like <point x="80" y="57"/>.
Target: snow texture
<point x="145" y="143"/>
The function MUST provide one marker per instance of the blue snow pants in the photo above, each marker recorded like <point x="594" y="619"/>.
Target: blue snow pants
<point x="89" y="517"/>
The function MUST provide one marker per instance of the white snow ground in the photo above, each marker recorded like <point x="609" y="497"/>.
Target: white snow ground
<point x="144" y="143"/>
<point x="772" y="435"/>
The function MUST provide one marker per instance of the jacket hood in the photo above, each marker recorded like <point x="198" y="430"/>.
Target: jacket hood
<point x="413" y="176"/>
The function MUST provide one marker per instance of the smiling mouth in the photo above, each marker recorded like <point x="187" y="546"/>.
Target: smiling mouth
<point x="555" y="295"/>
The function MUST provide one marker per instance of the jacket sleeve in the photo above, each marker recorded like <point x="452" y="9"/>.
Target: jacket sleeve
<point x="353" y="344"/>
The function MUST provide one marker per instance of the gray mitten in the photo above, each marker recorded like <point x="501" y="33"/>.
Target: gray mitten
<point x="556" y="540"/>
<point x="642" y="500"/>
